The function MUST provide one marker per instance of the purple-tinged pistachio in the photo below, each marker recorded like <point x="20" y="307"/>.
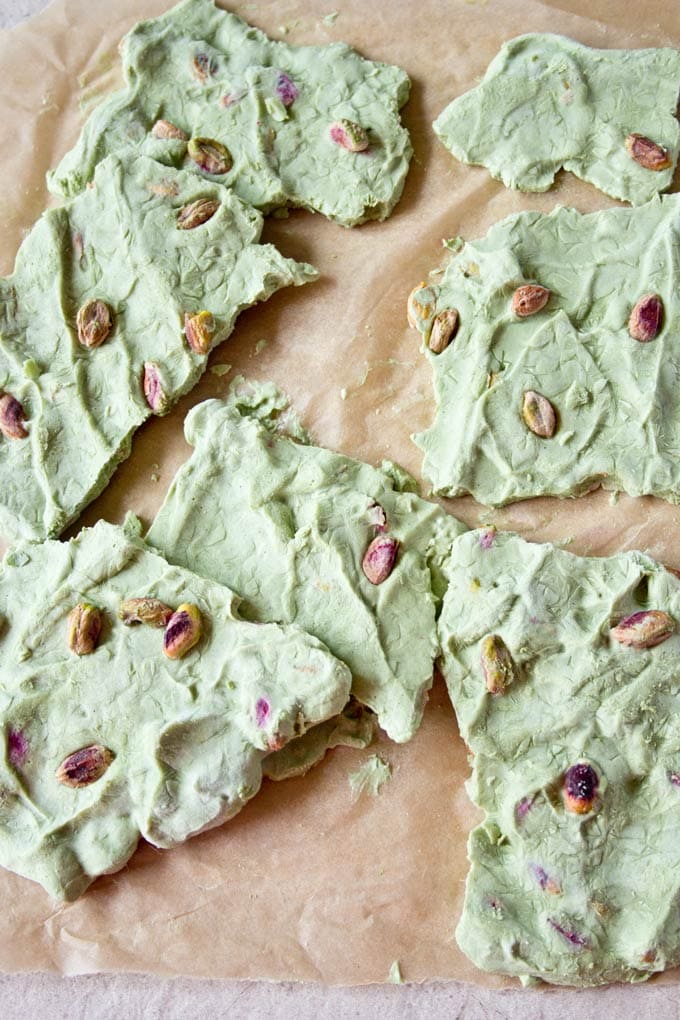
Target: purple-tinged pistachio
<point x="199" y="329"/>
<point x="674" y="778"/>
<point x="286" y="89"/>
<point x="84" y="628"/>
<point x="12" y="417"/>
<point x="154" y="393"/>
<point x="17" y="747"/>
<point x="647" y="153"/>
<point x="210" y="156"/>
<point x="78" y="245"/>
<point x="545" y="881"/>
<point x="349" y="135"/>
<point x="203" y="67"/>
<point x="379" y="558"/>
<point x="574" y="937"/>
<point x="529" y="299"/>
<point x="94" y="322"/>
<point x="523" y="808"/>
<point x="644" y="629"/>
<point x="444" y="328"/>
<point x="144" y="610"/>
<point x="84" y="766"/>
<point x="196" y="213"/>
<point x="166" y="129"/>
<point x="538" y="414"/>
<point x="487" y="538"/>
<point x="645" y="319"/>
<point x="580" y="788"/>
<point x="183" y="631"/>
<point x="166" y="188"/>
<point x="262" y="710"/>
<point x="498" y="664"/>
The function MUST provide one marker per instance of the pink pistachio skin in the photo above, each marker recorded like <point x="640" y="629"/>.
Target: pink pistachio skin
<point x="379" y="558"/>
<point x="645" y="629"/>
<point x="262" y="710"/>
<point x="581" y="784"/>
<point x="286" y="89"/>
<point x="155" y="395"/>
<point x="577" y="940"/>
<point x="17" y="747"/>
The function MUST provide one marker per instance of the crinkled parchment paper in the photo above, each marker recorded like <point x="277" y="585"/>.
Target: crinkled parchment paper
<point x="308" y="883"/>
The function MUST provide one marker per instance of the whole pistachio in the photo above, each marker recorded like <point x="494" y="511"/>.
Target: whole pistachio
<point x="498" y="665"/>
<point x="144" y="610"/>
<point x="645" y="629"/>
<point x="196" y="213"/>
<point x="183" y="631"/>
<point x="210" y="156"/>
<point x="647" y="153"/>
<point x="421" y="307"/>
<point x="199" y="330"/>
<point x="379" y="558"/>
<point x="444" y="328"/>
<point x="94" y="322"/>
<point x="645" y="319"/>
<point x="286" y="89"/>
<point x="84" y="628"/>
<point x="349" y="135"/>
<point x="154" y="393"/>
<point x="12" y="417"/>
<point x="539" y="414"/>
<point x="580" y="788"/>
<point x="84" y="766"/>
<point x="166" y="129"/>
<point x="529" y="299"/>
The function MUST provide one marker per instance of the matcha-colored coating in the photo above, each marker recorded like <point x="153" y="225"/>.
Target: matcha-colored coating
<point x="616" y="399"/>
<point x="548" y="102"/>
<point x="118" y="242"/>
<point x="354" y="727"/>
<point x="271" y="104"/>
<point x="571" y="898"/>
<point x="188" y="735"/>
<point x="288" y="525"/>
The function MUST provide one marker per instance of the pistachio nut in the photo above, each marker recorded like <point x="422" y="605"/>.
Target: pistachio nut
<point x="349" y="135"/>
<point x="644" y="629"/>
<point x="379" y="558"/>
<point x="444" y="328"/>
<point x="84" y="628"/>
<point x="182" y="631"/>
<point x="154" y="392"/>
<point x="286" y="89"/>
<point x="539" y="414"/>
<point x="84" y="766"/>
<point x="144" y="610"/>
<point x="12" y="417"/>
<point x="580" y="787"/>
<point x="199" y="330"/>
<point x="166" y="129"/>
<point x="196" y="213"/>
<point x="645" y="319"/>
<point x="94" y="322"/>
<point x="529" y="299"/>
<point x="498" y="665"/>
<point x="421" y="307"/>
<point x="647" y="153"/>
<point x="203" y="67"/>
<point x="210" y="156"/>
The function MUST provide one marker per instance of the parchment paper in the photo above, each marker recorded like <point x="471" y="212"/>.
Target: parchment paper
<point x="306" y="883"/>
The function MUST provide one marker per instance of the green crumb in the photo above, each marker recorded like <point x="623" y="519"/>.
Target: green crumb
<point x="222" y="369"/>
<point x="370" y="777"/>
<point x="394" y="975"/>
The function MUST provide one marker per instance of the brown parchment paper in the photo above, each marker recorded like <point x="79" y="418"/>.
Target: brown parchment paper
<point x="306" y="883"/>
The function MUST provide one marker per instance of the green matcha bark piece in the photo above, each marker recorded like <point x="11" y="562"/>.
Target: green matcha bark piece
<point x="575" y="871"/>
<point x="345" y="550"/>
<point x="310" y="126"/>
<point x="548" y="102"/>
<point x="114" y="730"/>
<point x="548" y="386"/>
<point x="114" y="303"/>
<point x="354" y="727"/>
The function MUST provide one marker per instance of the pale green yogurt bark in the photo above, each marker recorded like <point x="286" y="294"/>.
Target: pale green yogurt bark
<point x="565" y="676"/>
<point x="296" y="530"/>
<point x="614" y="397"/>
<point x="548" y="102"/>
<point x="114" y="303"/>
<point x="310" y="126"/>
<point x="169" y="746"/>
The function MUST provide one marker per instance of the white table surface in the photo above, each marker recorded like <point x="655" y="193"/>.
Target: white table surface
<point x="135" y="996"/>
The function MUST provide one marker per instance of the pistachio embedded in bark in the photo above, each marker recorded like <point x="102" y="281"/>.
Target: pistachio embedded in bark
<point x="183" y="631"/>
<point x="196" y="213"/>
<point x="349" y="135"/>
<point x="645" y="318"/>
<point x="210" y="156"/>
<point x="144" y="610"/>
<point x="12" y="417"/>
<point x="580" y="788"/>
<point x="94" y="322"/>
<point x="166" y="129"/>
<point x="154" y="392"/>
<point x="379" y="558"/>
<point x="84" y="766"/>
<point x="199" y="329"/>
<point x="444" y="328"/>
<point x="647" y="153"/>
<point x="84" y="628"/>
<point x="529" y="299"/>
<point x="645" y="629"/>
<point x="498" y="665"/>
<point x="539" y="414"/>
